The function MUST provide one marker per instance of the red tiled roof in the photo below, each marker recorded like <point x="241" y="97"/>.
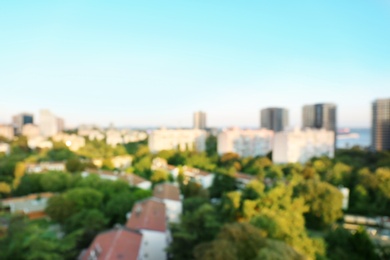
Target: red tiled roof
<point x="166" y="191"/>
<point x="119" y="243"/>
<point x="28" y="197"/>
<point x="240" y="175"/>
<point x="134" y="179"/>
<point x="148" y="214"/>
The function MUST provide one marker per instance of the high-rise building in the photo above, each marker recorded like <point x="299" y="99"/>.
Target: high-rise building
<point x="200" y="120"/>
<point x="381" y="124"/>
<point x="20" y="120"/>
<point x="48" y="123"/>
<point x="320" y="116"/>
<point x="273" y="118"/>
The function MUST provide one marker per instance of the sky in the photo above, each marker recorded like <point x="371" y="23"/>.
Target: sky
<point x="153" y="63"/>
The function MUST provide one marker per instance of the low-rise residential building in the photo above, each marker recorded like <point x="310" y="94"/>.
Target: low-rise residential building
<point x="139" y="182"/>
<point x="159" y="164"/>
<point x="149" y="218"/>
<point x="133" y="179"/>
<point x="72" y="141"/>
<point x="296" y="145"/>
<point x="170" y="195"/>
<point x="122" y="161"/>
<point x="192" y="174"/>
<point x="7" y="131"/>
<point x="39" y="142"/>
<point x="45" y="166"/>
<point x="182" y="139"/>
<point x="5" y="148"/>
<point x="245" y="142"/>
<point x="30" y="131"/>
<point x="114" y="137"/>
<point x="32" y="205"/>
<point x="130" y="136"/>
<point x="118" y="243"/>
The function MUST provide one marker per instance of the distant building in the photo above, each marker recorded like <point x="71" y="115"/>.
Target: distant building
<point x="60" y="124"/>
<point x="291" y="146"/>
<point x="5" y="148"/>
<point x="45" y="166"/>
<point x="20" y="120"/>
<point x="199" y="120"/>
<point x="275" y="119"/>
<point x="381" y="124"/>
<point x="30" y="130"/>
<point x="114" y="137"/>
<point x="32" y="205"/>
<point x="118" y="243"/>
<point x="245" y="142"/>
<point x="320" y="116"/>
<point x="48" y="123"/>
<point x="39" y="142"/>
<point x="182" y="139"/>
<point x="192" y="174"/>
<point x="148" y="217"/>
<point x="170" y="195"/>
<point x="72" y="141"/>
<point x="7" y="131"/>
<point x="122" y="161"/>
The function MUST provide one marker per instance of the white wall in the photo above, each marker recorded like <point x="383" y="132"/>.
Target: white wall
<point x="153" y="245"/>
<point x="174" y="210"/>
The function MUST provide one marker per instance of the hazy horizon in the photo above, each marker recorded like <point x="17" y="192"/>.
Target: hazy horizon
<point x="155" y="63"/>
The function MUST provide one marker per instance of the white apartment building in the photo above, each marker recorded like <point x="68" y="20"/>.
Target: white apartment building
<point x="122" y="161"/>
<point x="5" y="148"/>
<point x="113" y="137"/>
<point x="7" y="131"/>
<point x="39" y="142"/>
<point x="245" y="142"/>
<point x="74" y="142"/>
<point x="171" y="139"/>
<point x="296" y="145"/>
<point x="30" y="130"/>
<point x="48" y="123"/>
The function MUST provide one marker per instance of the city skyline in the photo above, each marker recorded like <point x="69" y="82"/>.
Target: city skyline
<point x="154" y="64"/>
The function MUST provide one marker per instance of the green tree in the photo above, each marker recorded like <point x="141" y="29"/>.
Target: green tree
<point x="195" y="227"/>
<point x="342" y="244"/>
<point x="324" y="201"/>
<point x="74" y="165"/>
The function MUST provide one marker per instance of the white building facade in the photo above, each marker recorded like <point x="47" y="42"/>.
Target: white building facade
<point x="293" y="146"/>
<point x="245" y="142"/>
<point x="48" y="123"/>
<point x="182" y="139"/>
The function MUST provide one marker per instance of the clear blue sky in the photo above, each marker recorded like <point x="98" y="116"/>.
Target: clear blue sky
<point x="153" y="63"/>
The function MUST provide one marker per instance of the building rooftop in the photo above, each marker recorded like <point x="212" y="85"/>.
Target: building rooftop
<point x="27" y="204"/>
<point x="148" y="214"/>
<point x="120" y="243"/>
<point x="166" y="191"/>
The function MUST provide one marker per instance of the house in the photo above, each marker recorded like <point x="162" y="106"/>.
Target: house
<point x="243" y="179"/>
<point x="159" y="164"/>
<point x="138" y="181"/>
<point x="118" y="243"/>
<point x="122" y="162"/>
<point x="193" y="174"/>
<point x="45" y="166"/>
<point x="32" y="205"/>
<point x="149" y="218"/>
<point x="133" y="179"/>
<point x="5" y="148"/>
<point x="170" y="195"/>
